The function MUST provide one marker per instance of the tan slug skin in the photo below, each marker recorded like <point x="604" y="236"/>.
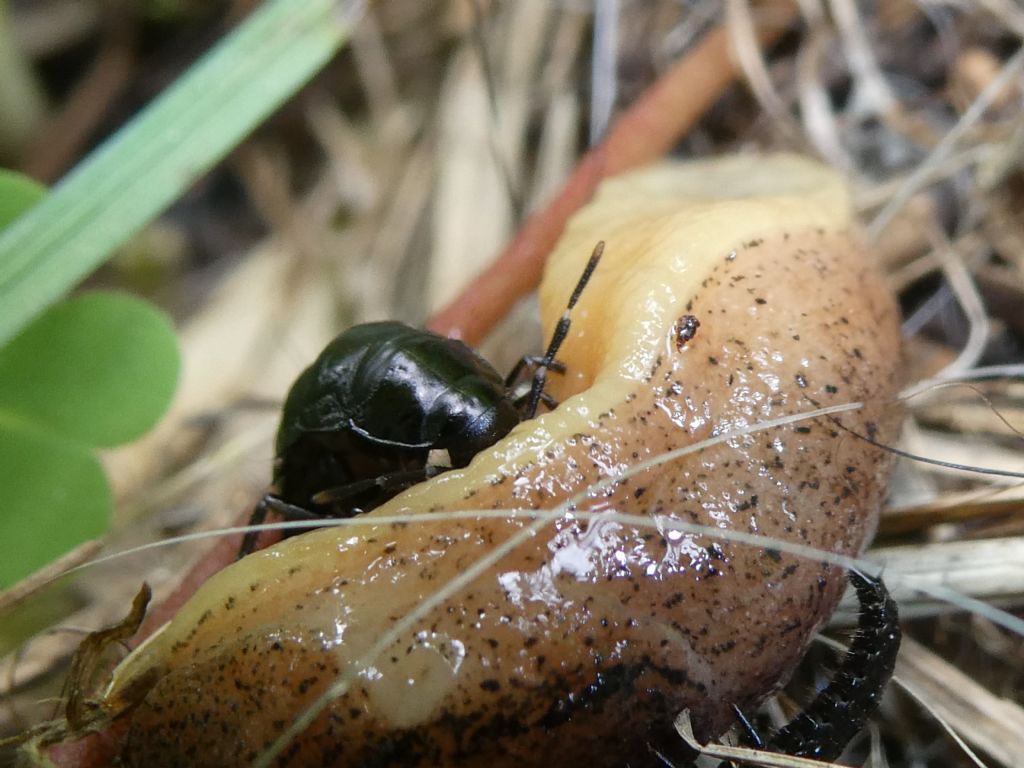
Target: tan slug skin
<point x="581" y="645"/>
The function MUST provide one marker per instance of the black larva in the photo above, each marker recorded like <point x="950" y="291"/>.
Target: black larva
<point x="837" y="714"/>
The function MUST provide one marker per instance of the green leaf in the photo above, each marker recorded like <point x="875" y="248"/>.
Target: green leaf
<point x="97" y="370"/>
<point x="139" y="171"/>
<point x="17" y="194"/>
<point x="55" y="497"/>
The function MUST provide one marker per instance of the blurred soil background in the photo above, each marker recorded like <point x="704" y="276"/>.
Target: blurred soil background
<point x="404" y="167"/>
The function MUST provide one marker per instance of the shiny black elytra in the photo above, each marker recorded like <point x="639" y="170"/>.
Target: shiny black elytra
<point x="376" y="401"/>
<point x="370" y="415"/>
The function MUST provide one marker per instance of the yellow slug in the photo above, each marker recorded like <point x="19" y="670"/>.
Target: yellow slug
<point x="581" y="644"/>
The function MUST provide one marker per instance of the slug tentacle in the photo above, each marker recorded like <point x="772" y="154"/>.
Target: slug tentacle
<point x="583" y="641"/>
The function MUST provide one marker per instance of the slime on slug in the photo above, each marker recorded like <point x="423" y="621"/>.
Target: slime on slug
<point x="587" y="637"/>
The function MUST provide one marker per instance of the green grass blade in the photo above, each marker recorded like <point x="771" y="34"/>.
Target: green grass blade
<point x="142" y="169"/>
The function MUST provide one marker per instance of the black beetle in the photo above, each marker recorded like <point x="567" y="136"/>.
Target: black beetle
<point x="375" y="403"/>
<point x="378" y="409"/>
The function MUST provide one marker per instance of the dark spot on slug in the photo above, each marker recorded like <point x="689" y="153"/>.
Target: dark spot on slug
<point x="686" y="329"/>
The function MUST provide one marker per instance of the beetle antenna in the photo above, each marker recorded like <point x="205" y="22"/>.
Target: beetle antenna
<point x="540" y="375"/>
<point x="584" y="278"/>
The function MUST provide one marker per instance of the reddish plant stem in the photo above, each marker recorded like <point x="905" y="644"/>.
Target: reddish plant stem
<point x="94" y="750"/>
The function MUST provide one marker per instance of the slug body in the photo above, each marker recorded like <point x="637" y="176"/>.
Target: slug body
<point x="730" y="293"/>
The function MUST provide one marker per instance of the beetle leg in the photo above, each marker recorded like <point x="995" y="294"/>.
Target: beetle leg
<point x="753" y="737"/>
<point x="531" y="362"/>
<point x="826" y="726"/>
<point x="259" y="515"/>
<point x="393" y="481"/>
<point x="545" y="398"/>
<point x="534" y="362"/>
<point x="540" y="375"/>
